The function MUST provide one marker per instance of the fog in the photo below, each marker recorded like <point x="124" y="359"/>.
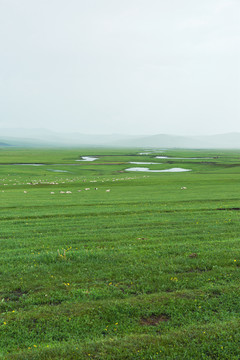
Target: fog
<point x="123" y="67"/>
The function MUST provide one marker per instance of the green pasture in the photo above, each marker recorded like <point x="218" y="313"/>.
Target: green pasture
<point x="97" y="262"/>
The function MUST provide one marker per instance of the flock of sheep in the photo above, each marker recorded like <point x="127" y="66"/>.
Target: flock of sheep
<point x="68" y="191"/>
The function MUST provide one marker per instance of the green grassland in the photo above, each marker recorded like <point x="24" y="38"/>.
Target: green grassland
<point x="146" y="270"/>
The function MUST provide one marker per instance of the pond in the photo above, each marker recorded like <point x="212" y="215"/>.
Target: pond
<point x="143" y="162"/>
<point x="148" y="170"/>
<point x="180" y="158"/>
<point x="87" y="158"/>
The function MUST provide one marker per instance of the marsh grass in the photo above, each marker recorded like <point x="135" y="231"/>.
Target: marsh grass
<point x="145" y="271"/>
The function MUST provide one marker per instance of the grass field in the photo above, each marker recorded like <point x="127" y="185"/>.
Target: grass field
<point x="146" y="270"/>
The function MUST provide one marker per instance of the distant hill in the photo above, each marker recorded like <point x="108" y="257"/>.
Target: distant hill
<point x="224" y="141"/>
<point x="4" y="144"/>
<point x="46" y="138"/>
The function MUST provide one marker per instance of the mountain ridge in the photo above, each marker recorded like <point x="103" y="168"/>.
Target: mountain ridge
<point x="47" y="138"/>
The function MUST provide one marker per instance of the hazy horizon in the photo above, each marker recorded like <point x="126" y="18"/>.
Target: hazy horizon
<point x="133" y="67"/>
<point x="15" y="130"/>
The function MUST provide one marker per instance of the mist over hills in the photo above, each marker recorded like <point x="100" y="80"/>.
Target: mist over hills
<point x="46" y="138"/>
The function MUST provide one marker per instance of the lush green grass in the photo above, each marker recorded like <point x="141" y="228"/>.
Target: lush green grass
<point x="145" y="271"/>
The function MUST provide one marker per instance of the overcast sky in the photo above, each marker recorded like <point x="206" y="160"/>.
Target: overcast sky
<point x="129" y="66"/>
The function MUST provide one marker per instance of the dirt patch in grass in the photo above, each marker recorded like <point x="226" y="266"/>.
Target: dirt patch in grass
<point x="193" y="255"/>
<point x="154" y="320"/>
<point x="15" y="295"/>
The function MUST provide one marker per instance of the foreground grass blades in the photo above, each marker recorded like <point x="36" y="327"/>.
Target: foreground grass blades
<point x="100" y="263"/>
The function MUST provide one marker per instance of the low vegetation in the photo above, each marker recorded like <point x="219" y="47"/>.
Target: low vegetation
<point x="139" y="266"/>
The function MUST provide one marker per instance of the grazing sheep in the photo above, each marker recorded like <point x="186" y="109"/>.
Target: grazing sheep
<point x="62" y="192"/>
<point x="108" y="190"/>
<point x="79" y="190"/>
<point x="68" y="192"/>
<point x="87" y="189"/>
<point x="25" y="192"/>
<point x="183" y="188"/>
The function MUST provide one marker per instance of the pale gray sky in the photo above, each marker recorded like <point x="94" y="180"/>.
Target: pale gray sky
<point x="129" y="66"/>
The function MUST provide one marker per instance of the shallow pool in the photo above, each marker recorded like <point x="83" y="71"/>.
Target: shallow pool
<point x="87" y="158"/>
<point x="148" y="170"/>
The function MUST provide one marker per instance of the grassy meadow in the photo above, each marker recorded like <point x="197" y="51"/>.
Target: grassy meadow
<point x="133" y="268"/>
